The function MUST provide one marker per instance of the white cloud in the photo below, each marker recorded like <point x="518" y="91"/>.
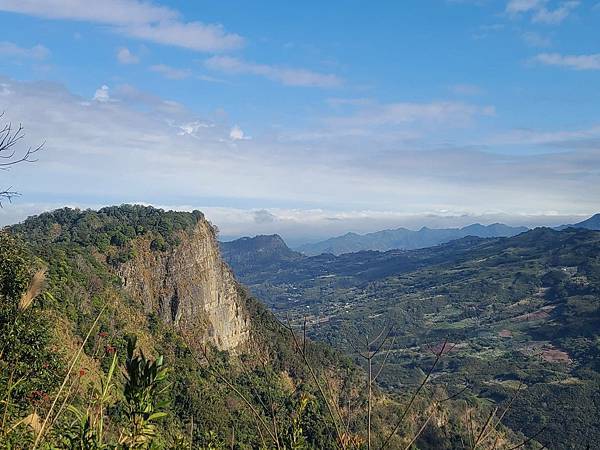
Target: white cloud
<point x="10" y="49"/>
<point x="193" y="128"/>
<point x="284" y="75"/>
<point x="192" y="35"/>
<point x="521" y="6"/>
<point x="134" y="18"/>
<point x="124" y="56"/>
<point x="264" y="216"/>
<point x="102" y="94"/>
<point x="171" y="73"/>
<point x="555" y="16"/>
<point x="237" y="134"/>
<point x="540" y="12"/>
<point x="576" y="62"/>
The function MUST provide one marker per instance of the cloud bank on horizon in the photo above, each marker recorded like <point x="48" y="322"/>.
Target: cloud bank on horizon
<point x="291" y="124"/>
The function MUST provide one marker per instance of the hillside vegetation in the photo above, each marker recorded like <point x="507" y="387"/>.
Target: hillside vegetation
<point x="519" y="309"/>
<point x="91" y="358"/>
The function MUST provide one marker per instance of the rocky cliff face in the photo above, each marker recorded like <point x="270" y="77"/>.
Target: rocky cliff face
<point x="190" y="287"/>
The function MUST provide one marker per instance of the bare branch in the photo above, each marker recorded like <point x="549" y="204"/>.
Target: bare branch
<point x="529" y="439"/>
<point x="10" y="155"/>
<point x="385" y="358"/>
<point x="415" y="394"/>
<point x="302" y="350"/>
<point x="416" y="436"/>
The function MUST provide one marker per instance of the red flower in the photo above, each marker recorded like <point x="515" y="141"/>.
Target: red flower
<point x="82" y="372"/>
<point x="110" y="349"/>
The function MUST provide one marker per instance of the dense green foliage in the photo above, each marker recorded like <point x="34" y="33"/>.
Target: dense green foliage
<point x="109" y="230"/>
<point x="29" y="369"/>
<point x="522" y="308"/>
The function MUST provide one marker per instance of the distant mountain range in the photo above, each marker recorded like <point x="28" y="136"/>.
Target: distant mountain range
<point x="267" y="249"/>
<point x="593" y="223"/>
<point x="405" y="239"/>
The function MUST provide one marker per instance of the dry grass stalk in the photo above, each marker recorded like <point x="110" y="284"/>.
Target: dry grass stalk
<point x="438" y="355"/>
<point x="371" y="351"/>
<point x="33" y="420"/>
<point x="301" y="348"/>
<point x="33" y="290"/>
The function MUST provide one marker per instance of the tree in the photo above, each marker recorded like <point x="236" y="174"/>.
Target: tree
<point x="11" y="155"/>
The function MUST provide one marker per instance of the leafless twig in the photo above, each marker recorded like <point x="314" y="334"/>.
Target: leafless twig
<point x="415" y="394"/>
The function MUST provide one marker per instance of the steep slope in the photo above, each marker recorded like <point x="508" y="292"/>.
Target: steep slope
<point x="402" y="238"/>
<point x="520" y="308"/>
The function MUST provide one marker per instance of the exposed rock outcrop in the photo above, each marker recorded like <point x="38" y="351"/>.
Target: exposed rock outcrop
<point x="190" y="287"/>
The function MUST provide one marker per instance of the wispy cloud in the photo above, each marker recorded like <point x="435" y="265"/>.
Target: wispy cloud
<point x="172" y="73"/>
<point x="37" y="52"/>
<point x="575" y="62"/>
<point x="124" y="56"/>
<point x="451" y="113"/>
<point x="533" y="39"/>
<point x="555" y="16"/>
<point x="540" y="12"/>
<point x="284" y="75"/>
<point x="134" y="18"/>
<point x="521" y="6"/>
<point x="566" y="139"/>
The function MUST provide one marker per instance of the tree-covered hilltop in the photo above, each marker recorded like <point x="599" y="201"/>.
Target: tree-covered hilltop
<point x="110" y="230"/>
<point x="80" y="346"/>
<point x="246" y="254"/>
<point x="520" y="308"/>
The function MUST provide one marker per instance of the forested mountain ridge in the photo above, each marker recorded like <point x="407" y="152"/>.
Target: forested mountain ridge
<point x="405" y="239"/>
<point x="247" y="252"/>
<point x="520" y="308"/>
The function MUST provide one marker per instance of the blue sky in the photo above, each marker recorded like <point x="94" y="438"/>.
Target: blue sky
<point x="308" y="118"/>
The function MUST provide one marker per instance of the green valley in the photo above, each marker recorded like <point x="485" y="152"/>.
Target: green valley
<point x="519" y="309"/>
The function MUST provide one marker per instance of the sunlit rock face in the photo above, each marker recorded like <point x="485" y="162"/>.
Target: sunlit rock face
<point x="190" y="287"/>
